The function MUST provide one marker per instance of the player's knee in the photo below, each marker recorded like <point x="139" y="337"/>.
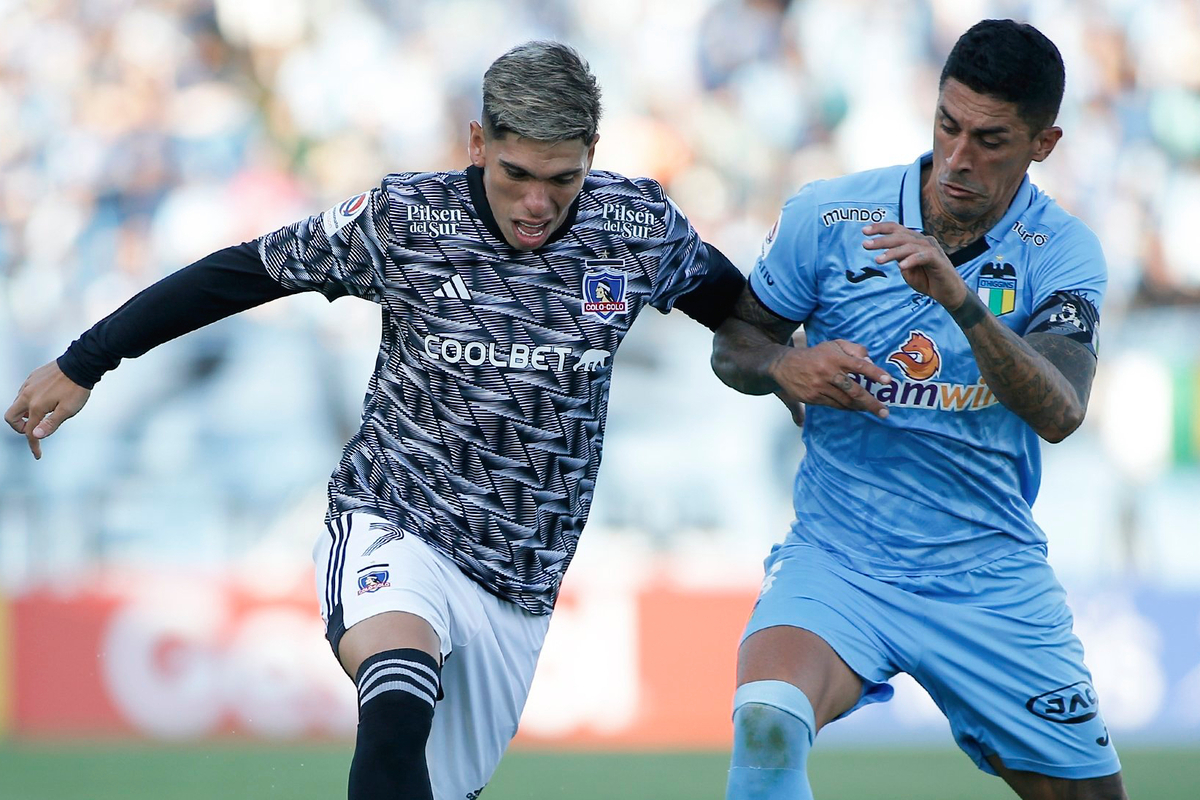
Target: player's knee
<point x="767" y="736"/>
<point x="397" y="690"/>
<point x="399" y="683"/>
<point x="773" y="725"/>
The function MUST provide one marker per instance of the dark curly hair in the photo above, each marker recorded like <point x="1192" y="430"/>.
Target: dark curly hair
<point x="1011" y="61"/>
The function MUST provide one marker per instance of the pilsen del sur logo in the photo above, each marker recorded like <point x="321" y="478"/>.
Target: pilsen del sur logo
<point x="920" y="360"/>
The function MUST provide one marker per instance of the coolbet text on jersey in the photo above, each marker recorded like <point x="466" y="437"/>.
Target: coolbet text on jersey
<point x="483" y="423"/>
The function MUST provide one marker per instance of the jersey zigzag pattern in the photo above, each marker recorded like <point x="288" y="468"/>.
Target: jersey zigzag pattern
<point x="483" y="422"/>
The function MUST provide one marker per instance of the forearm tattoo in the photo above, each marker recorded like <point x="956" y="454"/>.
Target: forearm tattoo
<point x="746" y="346"/>
<point x="1045" y="379"/>
<point x="755" y="313"/>
<point x="970" y="312"/>
<point x="1076" y="363"/>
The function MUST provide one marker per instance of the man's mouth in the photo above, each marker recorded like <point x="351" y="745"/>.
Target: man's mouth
<point x="957" y="191"/>
<point x="530" y="234"/>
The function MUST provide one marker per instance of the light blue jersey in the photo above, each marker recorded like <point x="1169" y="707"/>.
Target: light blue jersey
<point x="947" y="481"/>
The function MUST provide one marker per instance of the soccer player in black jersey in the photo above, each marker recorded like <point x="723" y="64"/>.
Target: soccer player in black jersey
<point x="455" y="510"/>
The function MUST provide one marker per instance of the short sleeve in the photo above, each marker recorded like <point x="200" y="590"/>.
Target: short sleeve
<point x="341" y="251"/>
<point x="1074" y="264"/>
<point x="783" y="278"/>
<point x="1074" y="268"/>
<point x="682" y="258"/>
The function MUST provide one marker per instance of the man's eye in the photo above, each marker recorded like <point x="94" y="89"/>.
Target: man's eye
<point x="564" y="180"/>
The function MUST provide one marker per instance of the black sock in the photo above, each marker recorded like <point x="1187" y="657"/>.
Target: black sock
<point x="396" y="693"/>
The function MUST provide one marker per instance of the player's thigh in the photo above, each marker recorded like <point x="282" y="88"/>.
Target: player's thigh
<point x="383" y="589"/>
<point x="389" y="630"/>
<point x="1004" y="665"/>
<point x="1033" y="786"/>
<point x="485" y="683"/>
<point x="805" y="660"/>
<point x="815" y="625"/>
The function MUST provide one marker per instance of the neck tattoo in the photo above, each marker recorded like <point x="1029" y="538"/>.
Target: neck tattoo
<point x="950" y="233"/>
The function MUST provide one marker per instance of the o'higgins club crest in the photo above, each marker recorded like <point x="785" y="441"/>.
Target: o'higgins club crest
<point x="604" y="288"/>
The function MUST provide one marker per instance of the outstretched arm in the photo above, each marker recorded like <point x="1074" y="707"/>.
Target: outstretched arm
<point x="221" y="284"/>
<point x="1044" y="378"/>
<point x="751" y="354"/>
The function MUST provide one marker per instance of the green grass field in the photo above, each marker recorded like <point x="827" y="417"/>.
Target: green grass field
<point x="134" y="772"/>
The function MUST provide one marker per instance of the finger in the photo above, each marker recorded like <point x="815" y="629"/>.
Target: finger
<point x="835" y="398"/>
<point x="797" y="410"/>
<point x="842" y="381"/>
<point x="876" y="228"/>
<point x="35" y="445"/>
<point x="794" y="407"/>
<point x="850" y="348"/>
<point x="15" y="415"/>
<point x="919" y="258"/>
<point x="858" y="398"/>
<point x="48" y="424"/>
<point x="35" y="429"/>
<point x="898" y="253"/>
<point x="863" y="400"/>
<point x="888" y="240"/>
<point x="859" y="362"/>
<point x="866" y="368"/>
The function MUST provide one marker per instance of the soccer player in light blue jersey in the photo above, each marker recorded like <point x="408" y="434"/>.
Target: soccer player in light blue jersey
<point x="950" y="311"/>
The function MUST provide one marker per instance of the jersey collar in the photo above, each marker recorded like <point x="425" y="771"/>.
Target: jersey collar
<point x="910" y="211"/>
<point x="483" y="209"/>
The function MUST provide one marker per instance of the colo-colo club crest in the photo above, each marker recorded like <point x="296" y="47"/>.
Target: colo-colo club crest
<point x="604" y="288"/>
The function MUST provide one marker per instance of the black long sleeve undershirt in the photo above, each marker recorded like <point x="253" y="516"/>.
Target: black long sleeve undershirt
<point x="234" y="279"/>
<point x="217" y="286"/>
<point x="711" y="302"/>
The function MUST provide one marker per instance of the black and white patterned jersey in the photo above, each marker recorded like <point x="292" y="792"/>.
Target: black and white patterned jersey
<point x="483" y="422"/>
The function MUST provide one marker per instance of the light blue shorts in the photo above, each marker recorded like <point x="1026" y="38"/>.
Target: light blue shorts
<point x="993" y="647"/>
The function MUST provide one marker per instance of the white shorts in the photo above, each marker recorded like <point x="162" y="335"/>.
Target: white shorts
<point x="365" y="566"/>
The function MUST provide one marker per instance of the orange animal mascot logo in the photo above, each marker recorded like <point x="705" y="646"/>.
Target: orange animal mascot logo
<point x="918" y="357"/>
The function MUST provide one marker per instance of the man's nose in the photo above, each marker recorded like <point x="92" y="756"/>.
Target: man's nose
<point x="537" y="199"/>
<point x="958" y="159"/>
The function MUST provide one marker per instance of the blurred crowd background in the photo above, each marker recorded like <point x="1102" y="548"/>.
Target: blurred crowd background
<point x="136" y="137"/>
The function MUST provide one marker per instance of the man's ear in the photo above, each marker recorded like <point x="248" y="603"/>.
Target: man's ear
<point x="477" y="145"/>
<point x="1044" y="142"/>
